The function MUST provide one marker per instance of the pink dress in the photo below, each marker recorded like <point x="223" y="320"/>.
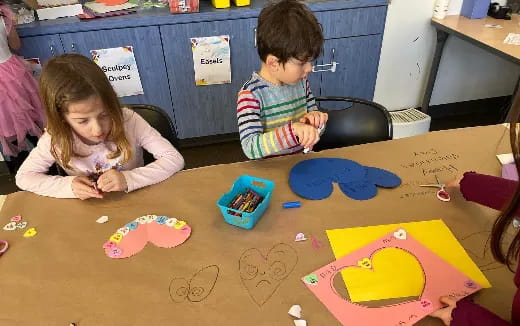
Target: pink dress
<point x="21" y="110"/>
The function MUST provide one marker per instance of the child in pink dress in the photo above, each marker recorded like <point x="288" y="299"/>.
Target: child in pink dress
<point x="21" y="110"/>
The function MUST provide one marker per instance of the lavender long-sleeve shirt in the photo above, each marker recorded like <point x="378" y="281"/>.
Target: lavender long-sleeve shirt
<point x="32" y="174"/>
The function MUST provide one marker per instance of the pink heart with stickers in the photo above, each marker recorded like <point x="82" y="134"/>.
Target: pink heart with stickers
<point x="162" y="231"/>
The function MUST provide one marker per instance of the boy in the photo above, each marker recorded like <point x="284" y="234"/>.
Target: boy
<point x="276" y="111"/>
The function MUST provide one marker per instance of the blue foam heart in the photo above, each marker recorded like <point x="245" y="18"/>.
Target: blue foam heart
<point x="383" y="178"/>
<point x="313" y="178"/>
<point x="361" y="190"/>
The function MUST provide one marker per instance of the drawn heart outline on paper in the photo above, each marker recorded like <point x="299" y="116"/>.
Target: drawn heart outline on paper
<point x="162" y="231"/>
<point x="262" y="275"/>
<point x="197" y="288"/>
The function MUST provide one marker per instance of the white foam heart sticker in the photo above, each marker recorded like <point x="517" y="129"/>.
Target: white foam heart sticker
<point x="400" y="234"/>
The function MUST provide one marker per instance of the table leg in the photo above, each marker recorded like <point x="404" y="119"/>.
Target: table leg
<point x="511" y="102"/>
<point x="441" y="41"/>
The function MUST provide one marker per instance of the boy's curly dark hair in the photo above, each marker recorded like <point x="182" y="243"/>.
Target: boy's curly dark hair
<point x="288" y="29"/>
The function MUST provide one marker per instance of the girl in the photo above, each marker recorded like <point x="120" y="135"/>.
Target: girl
<point x="21" y="111"/>
<point x="96" y="141"/>
<point x="496" y="193"/>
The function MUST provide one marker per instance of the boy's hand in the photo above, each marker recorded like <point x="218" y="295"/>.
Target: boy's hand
<point x="444" y="314"/>
<point x="315" y="119"/>
<point x="112" y="180"/>
<point x="307" y="135"/>
<point x="84" y="188"/>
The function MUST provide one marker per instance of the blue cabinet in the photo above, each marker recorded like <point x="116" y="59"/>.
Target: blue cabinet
<point x="211" y="109"/>
<point x="42" y="47"/>
<point x="356" y="71"/>
<point x="146" y="43"/>
<point x="352" y="29"/>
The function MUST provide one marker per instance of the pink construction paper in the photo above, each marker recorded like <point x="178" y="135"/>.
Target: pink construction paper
<point x="509" y="172"/>
<point x="441" y="279"/>
<point x="146" y="229"/>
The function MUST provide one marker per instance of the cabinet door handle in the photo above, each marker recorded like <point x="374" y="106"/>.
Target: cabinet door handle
<point x="51" y="47"/>
<point x="73" y="47"/>
<point x="254" y="32"/>
<point x="328" y="66"/>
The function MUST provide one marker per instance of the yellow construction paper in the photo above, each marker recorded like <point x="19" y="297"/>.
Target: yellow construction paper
<point x="381" y="270"/>
<point x="434" y="235"/>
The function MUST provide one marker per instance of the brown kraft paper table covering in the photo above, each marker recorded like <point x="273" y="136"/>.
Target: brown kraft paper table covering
<point x="62" y="275"/>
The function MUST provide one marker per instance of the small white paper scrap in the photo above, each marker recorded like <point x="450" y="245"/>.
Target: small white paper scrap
<point x="300" y="322"/>
<point x="506" y="158"/>
<point x="296" y="311"/>
<point x="493" y="26"/>
<point x="512" y="38"/>
<point x="102" y="219"/>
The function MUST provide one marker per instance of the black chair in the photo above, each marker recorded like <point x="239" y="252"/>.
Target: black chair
<point x="357" y="121"/>
<point x="158" y="119"/>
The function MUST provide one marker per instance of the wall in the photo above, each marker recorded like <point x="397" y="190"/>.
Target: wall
<point x="466" y="72"/>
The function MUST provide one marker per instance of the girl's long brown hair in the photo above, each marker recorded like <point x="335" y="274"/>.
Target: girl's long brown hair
<point x="505" y="219"/>
<point x="70" y="78"/>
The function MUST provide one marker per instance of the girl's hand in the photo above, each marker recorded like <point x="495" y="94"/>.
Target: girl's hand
<point x="84" y="188"/>
<point x="455" y="183"/>
<point x="315" y="119"/>
<point x="307" y="135"/>
<point x="112" y="180"/>
<point x="444" y="314"/>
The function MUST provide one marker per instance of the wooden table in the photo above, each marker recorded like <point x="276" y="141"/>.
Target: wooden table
<point x="475" y="32"/>
<point x="62" y="275"/>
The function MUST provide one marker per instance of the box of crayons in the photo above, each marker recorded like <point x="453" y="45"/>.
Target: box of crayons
<point x="247" y="200"/>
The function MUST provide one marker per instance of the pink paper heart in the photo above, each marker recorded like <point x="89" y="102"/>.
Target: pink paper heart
<point x="162" y="231"/>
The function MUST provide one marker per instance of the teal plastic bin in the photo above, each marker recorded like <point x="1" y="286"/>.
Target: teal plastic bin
<point x="261" y="186"/>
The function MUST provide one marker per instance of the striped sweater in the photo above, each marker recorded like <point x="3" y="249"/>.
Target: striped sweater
<point x="265" y="114"/>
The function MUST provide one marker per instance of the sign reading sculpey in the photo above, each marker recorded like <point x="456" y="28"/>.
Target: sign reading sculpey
<point x="121" y="69"/>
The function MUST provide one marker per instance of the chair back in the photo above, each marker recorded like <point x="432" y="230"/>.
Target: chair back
<point x="358" y="121"/>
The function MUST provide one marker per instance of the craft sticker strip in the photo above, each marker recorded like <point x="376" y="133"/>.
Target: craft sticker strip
<point x="312" y="179"/>
<point x="121" y="69"/>
<point x="440" y="279"/>
<point x="434" y="235"/>
<point x="162" y="231"/>
<point x="211" y="60"/>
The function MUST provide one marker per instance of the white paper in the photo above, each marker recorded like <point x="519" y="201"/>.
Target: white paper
<point x="60" y="11"/>
<point x="102" y="8"/>
<point x="35" y="66"/>
<point x="300" y="322"/>
<point x="296" y="311"/>
<point x="121" y="69"/>
<point x="506" y="158"/>
<point x="211" y="60"/>
<point x="513" y="39"/>
<point x="102" y="219"/>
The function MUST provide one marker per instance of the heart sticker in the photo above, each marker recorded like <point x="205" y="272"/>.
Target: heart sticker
<point x="16" y="218"/>
<point x="426" y="304"/>
<point x="365" y="263"/>
<point x="30" y="233"/>
<point x="470" y="284"/>
<point x="311" y="279"/>
<point x="10" y="226"/>
<point x="262" y="275"/>
<point x="133" y="237"/>
<point x="400" y="234"/>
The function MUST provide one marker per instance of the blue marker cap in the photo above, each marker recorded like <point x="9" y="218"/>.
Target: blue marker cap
<point x="292" y="204"/>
